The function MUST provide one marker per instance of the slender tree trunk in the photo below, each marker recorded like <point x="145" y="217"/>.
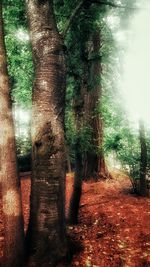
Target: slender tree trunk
<point x="68" y="160"/>
<point x="11" y="196"/>
<point x="47" y="234"/>
<point x="78" y="176"/>
<point x="143" y="162"/>
<point x="77" y="191"/>
<point x="94" y="163"/>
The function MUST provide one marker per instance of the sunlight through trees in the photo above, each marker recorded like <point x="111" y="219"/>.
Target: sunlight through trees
<point x="74" y="76"/>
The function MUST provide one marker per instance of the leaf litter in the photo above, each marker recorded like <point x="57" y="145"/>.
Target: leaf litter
<point x="114" y="225"/>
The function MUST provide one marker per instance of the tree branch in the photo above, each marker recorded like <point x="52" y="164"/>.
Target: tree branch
<point x="79" y="6"/>
<point x="108" y="3"/>
<point x="73" y="15"/>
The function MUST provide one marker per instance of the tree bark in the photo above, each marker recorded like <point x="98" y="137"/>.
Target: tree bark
<point x="47" y="234"/>
<point x="143" y="161"/>
<point x="94" y="163"/>
<point x="11" y="195"/>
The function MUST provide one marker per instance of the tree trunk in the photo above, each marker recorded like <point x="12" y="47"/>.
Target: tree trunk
<point x="77" y="191"/>
<point x="68" y="161"/>
<point x="47" y="234"/>
<point x="77" y="186"/>
<point x="143" y="161"/>
<point x="11" y="195"/>
<point x="94" y="163"/>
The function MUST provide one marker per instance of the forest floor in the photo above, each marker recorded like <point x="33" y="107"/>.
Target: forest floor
<point x="114" y="225"/>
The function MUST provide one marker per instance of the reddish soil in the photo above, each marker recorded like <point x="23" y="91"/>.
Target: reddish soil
<point x="114" y="225"/>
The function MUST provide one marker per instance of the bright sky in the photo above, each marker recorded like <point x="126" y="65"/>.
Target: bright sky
<point x="22" y="120"/>
<point x="136" y="77"/>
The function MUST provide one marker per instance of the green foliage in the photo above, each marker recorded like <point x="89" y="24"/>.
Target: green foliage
<point x="18" y="49"/>
<point x="84" y="135"/>
<point x="77" y="42"/>
<point x="14" y="15"/>
<point x="119" y="137"/>
<point x="19" y="59"/>
<point x="24" y="154"/>
<point x="23" y="146"/>
<point x="20" y="69"/>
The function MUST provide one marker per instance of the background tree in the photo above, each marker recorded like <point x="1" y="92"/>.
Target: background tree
<point x="11" y="196"/>
<point x="87" y="87"/>
<point x="86" y="77"/>
<point x="94" y="163"/>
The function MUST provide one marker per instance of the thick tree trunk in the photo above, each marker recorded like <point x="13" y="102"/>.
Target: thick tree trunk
<point x="11" y="196"/>
<point x="143" y="162"/>
<point x="46" y="234"/>
<point x="94" y="163"/>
